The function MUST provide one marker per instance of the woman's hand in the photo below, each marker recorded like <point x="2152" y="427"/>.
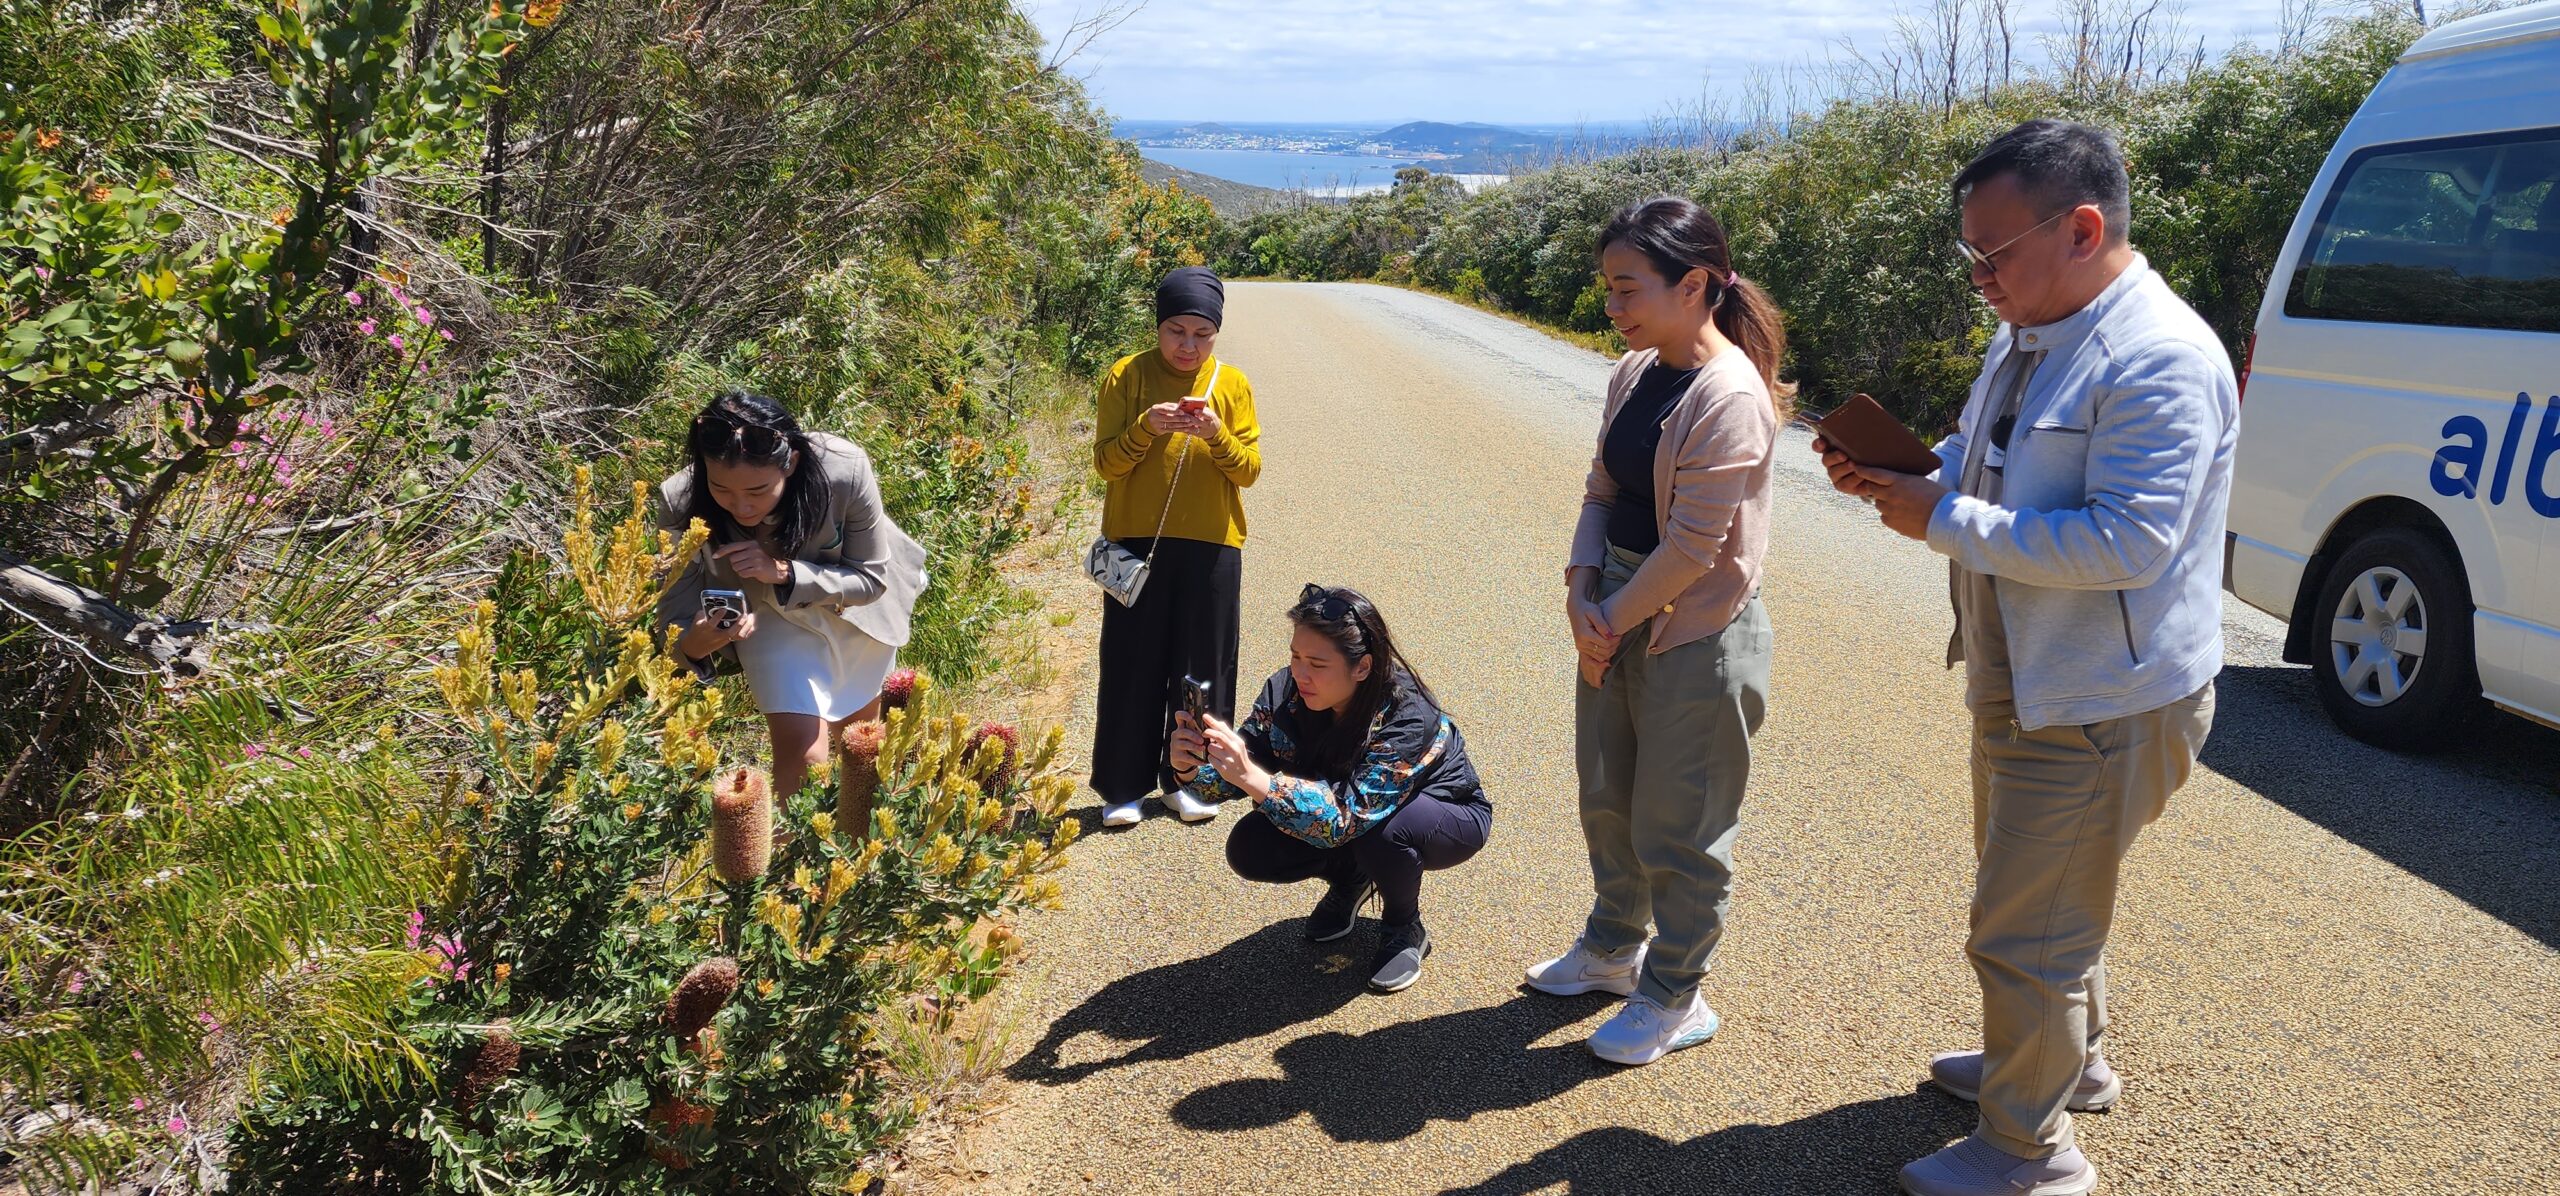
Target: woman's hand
<point x="1591" y="634"/>
<point x="713" y="630"/>
<point x="1234" y="763"/>
<point x="750" y="560"/>
<point x="1203" y="423"/>
<point x="1167" y="418"/>
<point x="1189" y="749"/>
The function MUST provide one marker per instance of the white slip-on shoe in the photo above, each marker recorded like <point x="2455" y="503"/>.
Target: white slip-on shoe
<point x="1124" y="813"/>
<point x="1187" y="806"/>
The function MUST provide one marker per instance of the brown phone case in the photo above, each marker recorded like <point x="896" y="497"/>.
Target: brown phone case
<point x="1870" y="436"/>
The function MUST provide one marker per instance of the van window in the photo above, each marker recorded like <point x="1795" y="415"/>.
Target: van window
<point x="2463" y="233"/>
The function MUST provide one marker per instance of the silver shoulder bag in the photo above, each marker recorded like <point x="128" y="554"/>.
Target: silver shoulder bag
<point x="1120" y="572"/>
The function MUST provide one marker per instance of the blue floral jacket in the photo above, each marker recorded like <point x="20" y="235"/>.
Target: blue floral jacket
<point x="1412" y="749"/>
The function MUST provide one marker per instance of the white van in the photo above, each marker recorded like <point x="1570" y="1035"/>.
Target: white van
<point x="2398" y="490"/>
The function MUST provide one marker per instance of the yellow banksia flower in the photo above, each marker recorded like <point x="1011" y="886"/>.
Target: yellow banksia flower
<point x="465" y="682"/>
<point x="611" y="738"/>
<point x="886" y="821"/>
<point x="940" y="858"/>
<point x="631" y="811"/>
<point x="1046" y="752"/>
<point x="990" y="813"/>
<point x="764" y="988"/>
<point x="823" y="824"/>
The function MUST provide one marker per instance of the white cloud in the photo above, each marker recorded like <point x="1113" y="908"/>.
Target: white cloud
<point x="1526" y="61"/>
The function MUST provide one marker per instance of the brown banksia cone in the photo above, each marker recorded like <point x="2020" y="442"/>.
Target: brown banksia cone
<point x="1003" y="775"/>
<point x="490" y="1066"/>
<point x="670" y="1118"/>
<point x="858" y="781"/>
<point x="898" y="690"/>
<point x="741" y="825"/>
<point x="699" y="996"/>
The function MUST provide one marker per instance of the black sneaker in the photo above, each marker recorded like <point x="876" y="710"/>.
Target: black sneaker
<point x="1339" y="911"/>
<point x="1399" y="961"/>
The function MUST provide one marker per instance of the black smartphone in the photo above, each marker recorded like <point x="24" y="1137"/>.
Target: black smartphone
<point x="732" y="605"/>
<point x="1195" y="701"/>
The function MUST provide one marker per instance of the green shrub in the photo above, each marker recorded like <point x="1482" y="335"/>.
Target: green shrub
<point x="597" y="1008"/>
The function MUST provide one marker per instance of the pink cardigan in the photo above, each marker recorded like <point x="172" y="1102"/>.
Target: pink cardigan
<point x="1711" y="481"/>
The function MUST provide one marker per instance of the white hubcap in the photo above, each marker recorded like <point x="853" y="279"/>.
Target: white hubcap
<point x="2378" y="637"/>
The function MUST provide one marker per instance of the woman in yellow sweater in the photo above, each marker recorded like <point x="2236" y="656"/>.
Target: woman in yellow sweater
<point x="1176" y="441"/>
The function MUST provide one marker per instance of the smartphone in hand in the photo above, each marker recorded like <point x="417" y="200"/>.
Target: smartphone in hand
<point x="1195" y="696"/>
<point x="1194" y="406"/>
<point x="729" y="605"/>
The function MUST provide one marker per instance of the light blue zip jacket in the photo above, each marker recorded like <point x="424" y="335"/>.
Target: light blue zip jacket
<point x="2107" y="544"/>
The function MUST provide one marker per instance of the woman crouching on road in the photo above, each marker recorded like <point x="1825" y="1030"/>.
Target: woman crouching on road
<point x="1355" y="776"/>
<point x="807" y="584"/>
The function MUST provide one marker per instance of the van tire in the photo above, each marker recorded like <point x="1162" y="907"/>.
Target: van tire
<point x="2421" y="587"/>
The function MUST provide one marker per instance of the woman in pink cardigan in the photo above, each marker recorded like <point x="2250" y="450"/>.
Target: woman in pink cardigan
<point x="1664" y="594"/>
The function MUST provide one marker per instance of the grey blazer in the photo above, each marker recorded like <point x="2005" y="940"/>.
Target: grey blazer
<point x="862" y="566"/>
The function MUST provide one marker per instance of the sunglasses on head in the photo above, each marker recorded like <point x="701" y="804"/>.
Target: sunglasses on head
<point x="1326" y="604"/>
<point x="745" y="439"/>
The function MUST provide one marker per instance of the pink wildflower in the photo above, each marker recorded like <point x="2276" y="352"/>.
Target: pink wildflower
<point x="303" y="752"/>
<point x="43" y="275"/>
<point x="446" y="333"/>
<point x="365" y="327"/>
<point x="398" y="345"/>
<point x="425" y="317"/>
<point x="78" y="981"/>
<point x="253" y="750"/>
<point x="140" y="1104"/>
<point x="137" y="1056"/>
<point x="207" y="1021"/>
<point x="417" y="927"/>
<point x="177" y="1124"/>
<point x="354" y="299"/>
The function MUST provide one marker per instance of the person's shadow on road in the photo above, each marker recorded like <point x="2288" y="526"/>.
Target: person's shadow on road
<point x="1853" y="1148"/>
<point x="1388" y="1084"/>
<point x="1259" y="984"/>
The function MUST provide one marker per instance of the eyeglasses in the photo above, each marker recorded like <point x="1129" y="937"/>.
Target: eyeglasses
<point x="1981" y="260"/>
<point x="1327" y="605"/>
<point x="745" y="439"/>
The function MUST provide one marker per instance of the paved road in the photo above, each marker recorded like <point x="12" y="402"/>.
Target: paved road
<point x="2337" y="970"/>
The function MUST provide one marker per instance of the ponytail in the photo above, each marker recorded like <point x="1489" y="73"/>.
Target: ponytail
<point x="1748" y="317"/>
<point x="1678" y="236"/>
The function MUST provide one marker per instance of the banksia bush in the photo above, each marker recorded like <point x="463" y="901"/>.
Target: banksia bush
<point x="584" y="878"/>
<point x="700" y="995"/>
<point x="741" y="825"/>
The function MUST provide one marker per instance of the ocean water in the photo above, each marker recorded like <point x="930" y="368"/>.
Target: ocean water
<point x="1319" y="173"/>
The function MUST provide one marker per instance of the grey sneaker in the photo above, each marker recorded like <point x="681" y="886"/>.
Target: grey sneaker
<point x="1959" y="1073"/>
<point x="1339" y="910"/>
<point x="1399" y="961"/>
<point x="1975" y="1167"/>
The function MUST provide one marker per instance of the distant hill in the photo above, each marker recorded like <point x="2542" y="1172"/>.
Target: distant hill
<point x="1434" y="137"/>
<point x="1231" y="199"/>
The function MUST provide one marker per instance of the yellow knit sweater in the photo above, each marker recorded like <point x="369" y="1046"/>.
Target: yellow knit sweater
<point x="1138" y="464"/>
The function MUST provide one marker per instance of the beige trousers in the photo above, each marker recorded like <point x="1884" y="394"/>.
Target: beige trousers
<point x="2054" y="812"/>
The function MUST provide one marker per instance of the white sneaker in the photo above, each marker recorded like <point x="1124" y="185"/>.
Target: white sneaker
<point x="1643" y="1031"/>
<point x="1188" y="807"/>
<point x="1126" y="813"/>
<point x="1582" y="970"/>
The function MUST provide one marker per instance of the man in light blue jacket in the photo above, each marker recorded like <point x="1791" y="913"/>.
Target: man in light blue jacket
<point x="2080" y="506"/>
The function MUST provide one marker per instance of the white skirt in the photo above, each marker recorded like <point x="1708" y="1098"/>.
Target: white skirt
<point x="808" y="660"/>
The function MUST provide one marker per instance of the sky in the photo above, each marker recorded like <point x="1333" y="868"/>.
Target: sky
<point x="1515" y="61"/>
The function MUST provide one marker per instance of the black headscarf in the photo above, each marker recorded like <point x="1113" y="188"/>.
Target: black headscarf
<point x="1192" y="291"/>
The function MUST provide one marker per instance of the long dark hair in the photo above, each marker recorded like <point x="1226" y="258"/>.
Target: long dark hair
<point x="1347" y="618"/>
<point x="1678" y="236"/>
<point x="744" y="428"/>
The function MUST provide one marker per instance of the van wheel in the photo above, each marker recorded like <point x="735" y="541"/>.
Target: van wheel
<point x="2395" y="664"/>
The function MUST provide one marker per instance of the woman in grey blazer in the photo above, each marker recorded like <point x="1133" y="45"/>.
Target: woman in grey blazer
<point x="826" y="581"/>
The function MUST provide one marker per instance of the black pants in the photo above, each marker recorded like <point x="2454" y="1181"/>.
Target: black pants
<point x="1186" y="623"/>
<point x="1425" y="835"/>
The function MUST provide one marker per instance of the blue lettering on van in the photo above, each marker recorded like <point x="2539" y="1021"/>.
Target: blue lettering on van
<point x="2465" y="456"/>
